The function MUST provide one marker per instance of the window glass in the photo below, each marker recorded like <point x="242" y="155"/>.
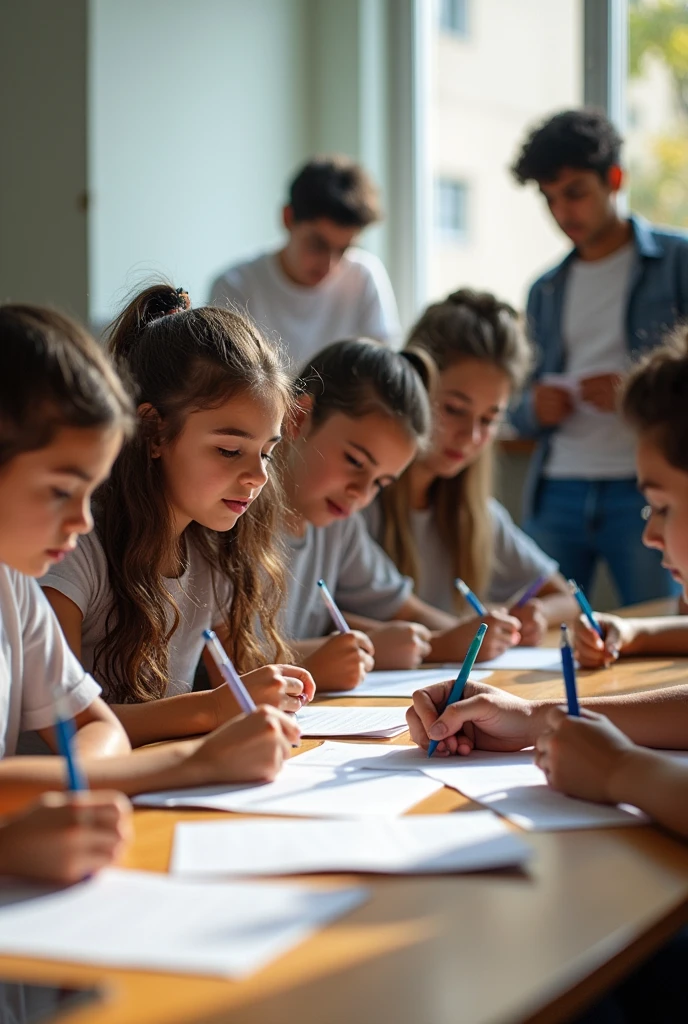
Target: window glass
<point x="519" y="63"/>
<point x="656" y="150"/>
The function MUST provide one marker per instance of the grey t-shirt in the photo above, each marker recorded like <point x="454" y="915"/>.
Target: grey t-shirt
<point x="358" y="573"/>
<point x="83" y="578"/>
<point x="518" y="561"/>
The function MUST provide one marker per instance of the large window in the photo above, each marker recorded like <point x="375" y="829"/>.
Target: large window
<point x="657" y="110"/>
<point x="490" y="81"/>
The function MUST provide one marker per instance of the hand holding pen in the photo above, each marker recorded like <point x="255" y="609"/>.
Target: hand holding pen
<point x="457" y="689"/>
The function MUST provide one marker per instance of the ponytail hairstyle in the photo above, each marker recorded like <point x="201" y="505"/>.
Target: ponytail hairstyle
<point x="654" y="397"/>
<point x="466" y="325"/>
<point x="183" y="360"/>
<point x="53" y="375"/>
<point x="359" y="377"/>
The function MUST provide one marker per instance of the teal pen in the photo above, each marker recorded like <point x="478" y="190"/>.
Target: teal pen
<point x="462" y="678"/>
<point x="475" y="602"/>
<point x="585" y="607"/>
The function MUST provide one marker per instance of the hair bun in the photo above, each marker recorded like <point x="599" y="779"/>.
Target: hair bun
<point x="163" y="301"/>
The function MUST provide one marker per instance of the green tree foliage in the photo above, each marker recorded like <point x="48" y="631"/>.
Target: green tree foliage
<point x="659" y="188"/>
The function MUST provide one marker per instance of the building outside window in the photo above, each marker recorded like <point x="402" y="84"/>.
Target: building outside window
<point x="451" y="210"/>
<point x="519" y="63"/>
<point x="453" y="16"/>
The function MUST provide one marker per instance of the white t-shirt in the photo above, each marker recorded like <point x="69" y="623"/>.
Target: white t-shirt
<point x="356" y="300"/>
<point x="588" y="443"/>
<point x="35" y="662"/>
<point x="358" y="573"/>
<point x="517" y="560"/>
<point x="83" y="578"/>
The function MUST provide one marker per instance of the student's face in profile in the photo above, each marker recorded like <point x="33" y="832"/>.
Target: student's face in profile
<point x="45" y="496"/>
<point x="471" y="401"/>
<point x="218" y="463"/>
<point x="337" y="469"/>
<point x="581" y="203"/>
<point x="315" y="248"/>
<point x="666" y="491"/>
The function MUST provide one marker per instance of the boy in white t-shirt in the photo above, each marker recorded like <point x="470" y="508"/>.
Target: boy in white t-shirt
<point x="318" y="288"/>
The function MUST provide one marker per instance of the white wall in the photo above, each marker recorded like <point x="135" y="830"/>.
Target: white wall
<point x="199" y="113"/>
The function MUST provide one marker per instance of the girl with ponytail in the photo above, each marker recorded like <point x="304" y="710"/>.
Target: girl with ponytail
<point x="184" y="527"/>
<point x="439" y="520"/>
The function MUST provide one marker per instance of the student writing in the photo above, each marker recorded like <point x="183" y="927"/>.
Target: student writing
<point x="184" y="526"/>
<point x="362" y="414"/>
<point x="606" y="754"/>
<point x="64" y="416"/>
<point x="439" y="520"/>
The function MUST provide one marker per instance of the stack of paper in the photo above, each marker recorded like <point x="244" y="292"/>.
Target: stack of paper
<point x="422" y="844"/>
<point x="404" y="683"/>
<point x="311" y="792"/>
<point x="144" y="921"/>
<point x="335" y="720"/>
<point x="510" y="784"/>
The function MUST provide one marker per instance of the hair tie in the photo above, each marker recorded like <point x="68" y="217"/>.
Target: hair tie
<point x="167" y="302"/>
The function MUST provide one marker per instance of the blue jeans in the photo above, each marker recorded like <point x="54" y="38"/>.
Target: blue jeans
<point x="581" y="522"/>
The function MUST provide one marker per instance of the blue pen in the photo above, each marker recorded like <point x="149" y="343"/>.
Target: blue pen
<point x="584" y="606"/>
<point x="475" y="603"/>
<point x="65" y="731"/>
<point x="229" y="673"/>
<point x="337" y="617"/>
<point x="569" y="670"/>
<point x="531" y="591"/>
<point x="460" y="682"/>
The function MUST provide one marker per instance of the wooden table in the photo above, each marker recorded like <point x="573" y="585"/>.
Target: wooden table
<point x="492" y="948"/>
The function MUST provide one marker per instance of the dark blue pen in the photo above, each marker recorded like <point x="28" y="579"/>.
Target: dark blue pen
<point x="569" y="670"/>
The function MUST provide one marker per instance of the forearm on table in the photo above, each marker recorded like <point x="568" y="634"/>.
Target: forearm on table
<point x="656" y="784"/>
<point x="302" y="649"/>
<point x="667" y="634"/>
<point x="559" y="607"/>
<point x="187" y="714"/>
<point x="165" y="767"/>
<point x="415" y="610"/>
<point x="655" y="718"/>
<point x="361" y="622"/>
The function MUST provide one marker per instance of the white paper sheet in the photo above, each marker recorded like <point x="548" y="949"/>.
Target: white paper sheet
<point x="335" y="720"/>
<point x="421" y="844"/>
<point x="530" y="659"/>
<point x="571" y="382"/>
<point x="404" y="683"/>
<point x="510" y="784"/>
<point x="145" y="921"/>
<point x="308" y="792"/>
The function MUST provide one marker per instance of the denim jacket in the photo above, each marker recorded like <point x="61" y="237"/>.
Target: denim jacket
<point x="657" y="298"/>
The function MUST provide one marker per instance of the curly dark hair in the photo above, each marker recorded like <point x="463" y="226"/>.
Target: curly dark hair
<point x="655" y="397"/>
<point x="583" y="139"/>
